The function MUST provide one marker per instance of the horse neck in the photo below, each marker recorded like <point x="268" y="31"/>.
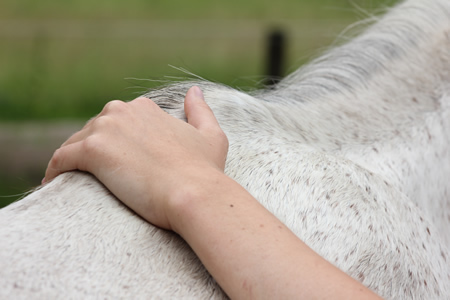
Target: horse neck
<point x="413" y="36"/>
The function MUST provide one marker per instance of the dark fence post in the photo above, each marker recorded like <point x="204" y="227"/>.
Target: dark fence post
<point x="276" y="52"/>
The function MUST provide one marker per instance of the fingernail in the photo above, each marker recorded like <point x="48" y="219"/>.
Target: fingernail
<point x="197" y="92"/>
<point x="43" y="180"/>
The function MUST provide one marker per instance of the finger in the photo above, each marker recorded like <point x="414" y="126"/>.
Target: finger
<point x="76" y="137"/>
<point x="101" y="123"/>
<point x="67" y="158"/>
<point x="198" y="113"/>
<point x="109" y="108"/>
<point x="81" y="134"/>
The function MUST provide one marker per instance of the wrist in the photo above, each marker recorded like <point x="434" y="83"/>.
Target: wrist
<point x="195" y="193"/>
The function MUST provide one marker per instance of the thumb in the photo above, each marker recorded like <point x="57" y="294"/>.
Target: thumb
<point x="198" y="113"/>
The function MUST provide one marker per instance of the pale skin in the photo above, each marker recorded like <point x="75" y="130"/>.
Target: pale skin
<point x="171" y="173"/>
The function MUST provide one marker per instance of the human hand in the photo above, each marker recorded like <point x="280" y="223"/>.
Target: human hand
<point x="143" y="155"/>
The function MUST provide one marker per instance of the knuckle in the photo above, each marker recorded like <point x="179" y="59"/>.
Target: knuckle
<point x="144" y="102"/>
<point x="56" y="159"/>
<point x="91" y="145"/>
<point x="142" y="99"/>
<point x="114" y="106"/>
<point x="102" y="122"/>
<point x="224" y="139"/>
<point x="221" y="138"/>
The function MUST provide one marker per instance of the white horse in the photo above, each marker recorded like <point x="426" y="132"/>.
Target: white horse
<point x="351" y="152"/>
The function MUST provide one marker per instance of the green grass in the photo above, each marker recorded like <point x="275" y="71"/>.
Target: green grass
<point x="181" y="9"/>
<point x="43" y="78"/>
<point x="77" y="79"/>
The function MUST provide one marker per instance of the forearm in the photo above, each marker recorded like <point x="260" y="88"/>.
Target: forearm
<point x="248" y="251"/>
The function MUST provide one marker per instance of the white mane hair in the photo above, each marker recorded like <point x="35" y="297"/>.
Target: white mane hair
<point x="351" y="152"/>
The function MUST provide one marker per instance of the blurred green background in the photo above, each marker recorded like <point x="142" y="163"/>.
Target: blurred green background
<point x="61" y="61"/>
